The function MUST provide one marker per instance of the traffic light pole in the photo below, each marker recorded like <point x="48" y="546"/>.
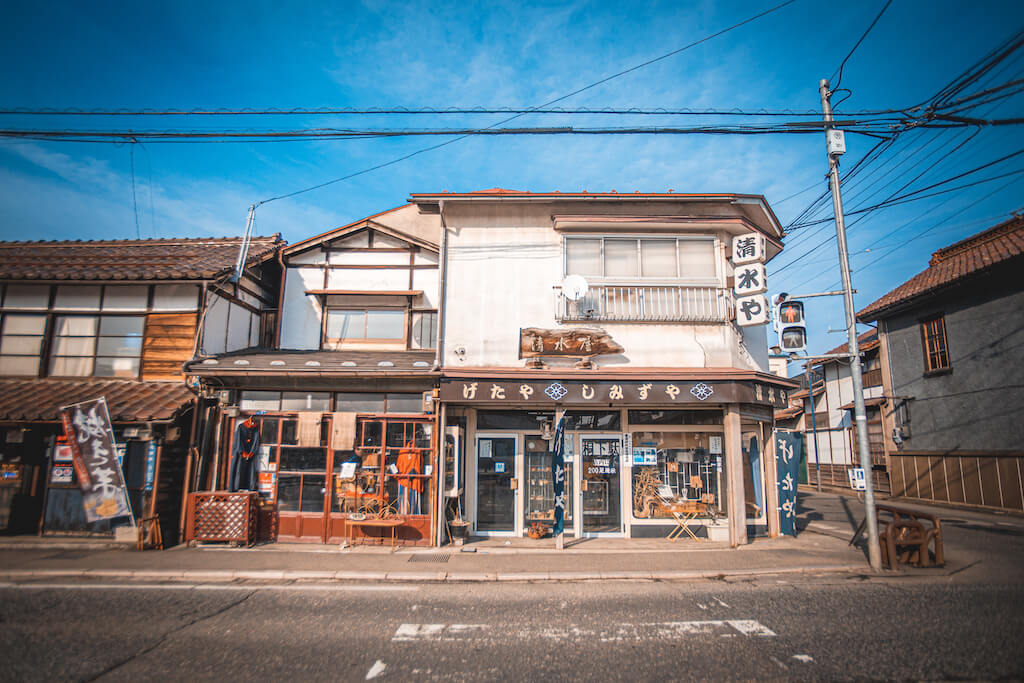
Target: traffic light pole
<point x="859" y="412"/>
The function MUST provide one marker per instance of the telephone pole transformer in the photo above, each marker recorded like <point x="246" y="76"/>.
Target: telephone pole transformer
<point x="836" y="146"/>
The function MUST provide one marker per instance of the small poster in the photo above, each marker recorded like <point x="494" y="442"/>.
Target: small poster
<point x="61" y="474"/>
<point x="499" y="467"/>
<point x="62" y="453"/>
<point x="715" y="445"/>
<point x="645" y="455"/>
<point x="857" y="479"/>
<point x="485" y="448"/>
<point x="348" y="470"/>
<point x="264" y="463"/>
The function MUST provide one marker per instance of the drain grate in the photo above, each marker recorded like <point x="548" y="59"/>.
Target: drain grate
<point x="430" y="557"/>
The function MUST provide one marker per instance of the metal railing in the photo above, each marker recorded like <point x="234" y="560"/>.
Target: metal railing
<point x="643" y="303"/>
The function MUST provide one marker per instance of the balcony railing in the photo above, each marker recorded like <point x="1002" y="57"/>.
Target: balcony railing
<point x="642" y="303"/>
<point x="873" y="378"/>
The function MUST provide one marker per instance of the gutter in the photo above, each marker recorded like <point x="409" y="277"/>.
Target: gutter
<point x="443" y="287"/>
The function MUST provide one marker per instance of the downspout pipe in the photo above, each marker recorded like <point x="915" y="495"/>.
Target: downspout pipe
<point x="443" y="294"/>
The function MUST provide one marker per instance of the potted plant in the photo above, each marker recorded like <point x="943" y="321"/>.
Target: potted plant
<point x="459" y="530"/>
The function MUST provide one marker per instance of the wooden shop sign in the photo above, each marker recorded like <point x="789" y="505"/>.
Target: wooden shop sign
<point x="576" y="342"/>
<point x="597" y="393"/>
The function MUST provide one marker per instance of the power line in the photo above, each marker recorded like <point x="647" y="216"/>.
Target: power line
<point x="856" y="45"/>
<point x="434" y="111"/>
<point x="546" y="104"/>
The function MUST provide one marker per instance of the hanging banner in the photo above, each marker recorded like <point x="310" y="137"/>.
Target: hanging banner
<point x="91" y="436"/>
<point x="788" y="451"/>
<point x="558" y="477"/>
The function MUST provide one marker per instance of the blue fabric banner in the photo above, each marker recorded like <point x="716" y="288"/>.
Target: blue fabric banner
<point x="558" y="477"/>
<point x="788" y="451"/>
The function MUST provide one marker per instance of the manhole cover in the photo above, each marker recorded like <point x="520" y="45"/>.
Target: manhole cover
<point x="430" y="557"/>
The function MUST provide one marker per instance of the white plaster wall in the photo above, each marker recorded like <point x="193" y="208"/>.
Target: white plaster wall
<point x="239" y="321"/>
<point x="215" y="325"/>
<point x="502" y="279"/>
<point x="300" y="314"/>
<point x="368" y="279"/>
<point x="426" y="281"/>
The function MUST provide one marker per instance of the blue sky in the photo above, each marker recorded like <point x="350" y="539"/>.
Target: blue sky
<point x="373" y="54"/>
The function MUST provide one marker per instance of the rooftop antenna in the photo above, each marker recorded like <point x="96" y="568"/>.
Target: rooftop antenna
<point x="243" y="249"/>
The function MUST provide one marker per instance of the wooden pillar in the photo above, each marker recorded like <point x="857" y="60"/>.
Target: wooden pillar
<point x="771" y="480"/>
<point x="734" y="475"/>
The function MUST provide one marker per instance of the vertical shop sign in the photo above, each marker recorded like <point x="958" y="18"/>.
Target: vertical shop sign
<point x="788" y="451"/>
<point x="88" y="429"/>
<point x="558" y="477"/>
<point x="150" y="465"/>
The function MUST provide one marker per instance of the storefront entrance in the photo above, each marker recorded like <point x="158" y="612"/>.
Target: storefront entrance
<point x="496" y="484"/>
<point x="601" y="468"/>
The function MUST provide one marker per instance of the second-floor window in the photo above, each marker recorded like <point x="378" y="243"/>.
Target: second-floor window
<point x="642" y="258"/>
<point x="363" y="325"/>
<point x="100" y="346"/>
<point x="936" y="351"/>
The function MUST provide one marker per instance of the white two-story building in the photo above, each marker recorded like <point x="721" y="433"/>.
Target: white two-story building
<point x="616" y="311"/>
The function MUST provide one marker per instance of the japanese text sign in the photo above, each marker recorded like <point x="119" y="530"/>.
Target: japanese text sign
<point x="88" y="429"/>
<point x="752" y="310"/>
<point x="749" y="279"/>
<point x="748" y="248"/>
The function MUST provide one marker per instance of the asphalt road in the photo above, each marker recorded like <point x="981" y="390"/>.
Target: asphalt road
<point x="823" y="628"/>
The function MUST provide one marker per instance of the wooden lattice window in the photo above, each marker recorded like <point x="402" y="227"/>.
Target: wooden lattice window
<point x="936" y="350"/>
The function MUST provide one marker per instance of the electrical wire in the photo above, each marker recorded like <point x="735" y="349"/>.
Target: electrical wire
<point x="856" y="45"/>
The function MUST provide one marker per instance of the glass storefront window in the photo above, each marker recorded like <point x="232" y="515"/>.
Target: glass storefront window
<point x="595" y="421"/>
<point x="303" y="400"/>
<point x="675" y="417"/>
<point x="681" y="464"/>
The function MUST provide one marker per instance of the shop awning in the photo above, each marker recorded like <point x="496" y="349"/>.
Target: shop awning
<point x="868" y="402"/>
<point x="40" y="400"/>
<point x="339" y="363"/>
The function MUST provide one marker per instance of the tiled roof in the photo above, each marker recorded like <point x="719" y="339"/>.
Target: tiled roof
<point x="127" y="400"/>
<point x="973" y="255"/>
<point x="159" y="259"/>
<point x="865" y="342"/>
<point x="313" y="362"/>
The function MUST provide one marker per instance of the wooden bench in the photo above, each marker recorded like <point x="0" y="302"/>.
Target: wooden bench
<point x="905" y="535"/>
<point x="392" y="524"/>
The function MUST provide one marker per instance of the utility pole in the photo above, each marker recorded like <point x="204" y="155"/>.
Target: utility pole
<point x="814" y="428"/>
<point x="859" y="412"/>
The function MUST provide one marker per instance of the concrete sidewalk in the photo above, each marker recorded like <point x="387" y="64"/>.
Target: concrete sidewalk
<point x="487" y="560"/>
<point x="826" y="523"/>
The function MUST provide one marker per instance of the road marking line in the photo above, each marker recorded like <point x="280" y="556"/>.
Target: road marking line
<point x="774" y="659"/>
<point x="749" y="627"/>
<point x="806" y="659"/>
<point x="376" y="670"/>
<point x="620" y="632"/>
<point x="721" y="603"/>
<point x="198" y="586"/>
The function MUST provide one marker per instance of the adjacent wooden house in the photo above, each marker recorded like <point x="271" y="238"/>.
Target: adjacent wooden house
<point x="113" y="319"/>
<point x="341" y="392"/>
<point x="952" y="369"/>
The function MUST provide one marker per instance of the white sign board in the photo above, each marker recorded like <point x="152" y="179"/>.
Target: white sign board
<point x="752" y="310"/>
<point x="749" y="248"/>
<point x="749" y="279"/>
<point x="715" y="445"/>
<point x="857" y="481"/>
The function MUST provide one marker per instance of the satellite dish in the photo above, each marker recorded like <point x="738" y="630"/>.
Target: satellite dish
<point x="574" y="287"/>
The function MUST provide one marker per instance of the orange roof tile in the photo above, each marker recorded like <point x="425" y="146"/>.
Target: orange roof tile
<point x="967" y="257"/>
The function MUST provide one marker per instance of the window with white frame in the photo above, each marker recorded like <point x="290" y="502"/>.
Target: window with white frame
<point x="691" y="259"/>
<point x="100" y="346"/>
<point x="364" y="325"/>
<point x="88" y="329"/>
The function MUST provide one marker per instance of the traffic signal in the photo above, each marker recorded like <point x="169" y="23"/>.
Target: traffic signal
<point x="791" y="326"/>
